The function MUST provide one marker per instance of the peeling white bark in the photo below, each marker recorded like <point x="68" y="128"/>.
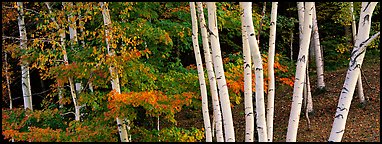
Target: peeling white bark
<point x="122" y="128"/>
<point x="359" y="81"/>
<point x="73" y="40"/>
<point x="248" y="105"/>
<point x="300" y="74"/>
<point x="219" y="71"/>
<point x="258" y="67"/>
<point x="217" y="116"/>
<point x="271" y="73"/>
<point x="353" y="72"/>
<point x="25" y="77"/>
<point x="317" y="48"/>
<point x="199" y="65"/>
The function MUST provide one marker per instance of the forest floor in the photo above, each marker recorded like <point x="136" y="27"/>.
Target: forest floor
<point x="362" y="125"/>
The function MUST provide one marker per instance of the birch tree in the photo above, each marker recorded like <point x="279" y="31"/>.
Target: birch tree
<point x="300" y="10"/>
<point x="258" y="66"/>
<point x="73" y="40"/>
<point x="248" y="105"/>
<point x="219" y="71"/>
<point x="25" y="77"/>
<point x="202" y="83"/>
<point x="354" y="34"/>
<point x="7" y="77"/>
<point x="261" y="22"/>
<point x="300" y="74"/>
<point x="122" y="128"/>
<point x="217" y="116"/>
<point x="318" y="55"/>
<point x="62" y="44"/>
<point x="271" y="73"/>
<point x="353" y="72"/>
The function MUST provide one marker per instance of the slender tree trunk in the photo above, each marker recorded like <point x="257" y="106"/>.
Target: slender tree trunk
<point x="271" y="73"/>
<point x="218" y="64"/>
<point x="62" y="43"/>
<point x="8" y="85"/>
<point x="199" y="64"/>
<point x="300" y="74"/>
<point x="261" y="22"/>
<point x="258" y="66"/>
<point x="25" y="77"/>
<point x="122" y="128"/>
<point x="217" y="120"/>
<point x="73" y="40"/>
<point x="309" y="96"/>
<point x="359" y="81"/>
<point x="7" y="77"/>
<point x="353" y="72"/>
<point x="319" y="62"/>
<point x="301" y="10"/>
<point x="248" y="105"/>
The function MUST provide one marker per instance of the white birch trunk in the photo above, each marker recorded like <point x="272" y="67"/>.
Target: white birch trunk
<point x="317" y="48"/>
<point x="261" y="22"/>
<point x="301" y="10"/>
<point x="353" y="72"/>
<point x="271" y="73"/>
<point x="217" y="120"/>
<point x="122" y="129"/>
<point x="248" y="105"/>
<point x="8" y="81"/>
<point x="258" y="66"/>
<point x="309" y="96"/>
<point x="62" y="38"/>
<point x="359" y="81"/>
<point x="300" y="74"/>
<point x="25" y="77"/>
<point x="73" y="40"/>
<point x="202" y="83"/>
<point x="218" y="65"/>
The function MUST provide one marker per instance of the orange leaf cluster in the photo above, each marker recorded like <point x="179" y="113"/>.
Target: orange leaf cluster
<point x="155" y="102"/>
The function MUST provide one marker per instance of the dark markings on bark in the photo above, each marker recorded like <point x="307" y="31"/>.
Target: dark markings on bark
<point x="341" y="109"/>
<point x="219" y="77"/>
<point x="345" y="90"/>
<point x="354" y="59"/>
<point x="217" y="56"/>
<point x="342" y="117"/>
<point x="366" y="6"/>
<point x="252" y="34"/>
<point x="272" y="23"/>
<point x="340" y="131"/>
<point x="247" y="65"/>
<point x="229" y="139"/>
<point x="357" y="66"/>
<point x="209" y="31"/>
<point x="302" y="59"/>
<point x="249" y="113"/>
<point x="259" y="128"/>
<point x="119" y="125"/>
<point x="258" y="69"/>
<point x="270" y="90"/>
<point x="366" y="18"/>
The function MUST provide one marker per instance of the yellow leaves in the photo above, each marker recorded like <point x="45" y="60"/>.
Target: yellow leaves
<point x="113" y="45"/>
